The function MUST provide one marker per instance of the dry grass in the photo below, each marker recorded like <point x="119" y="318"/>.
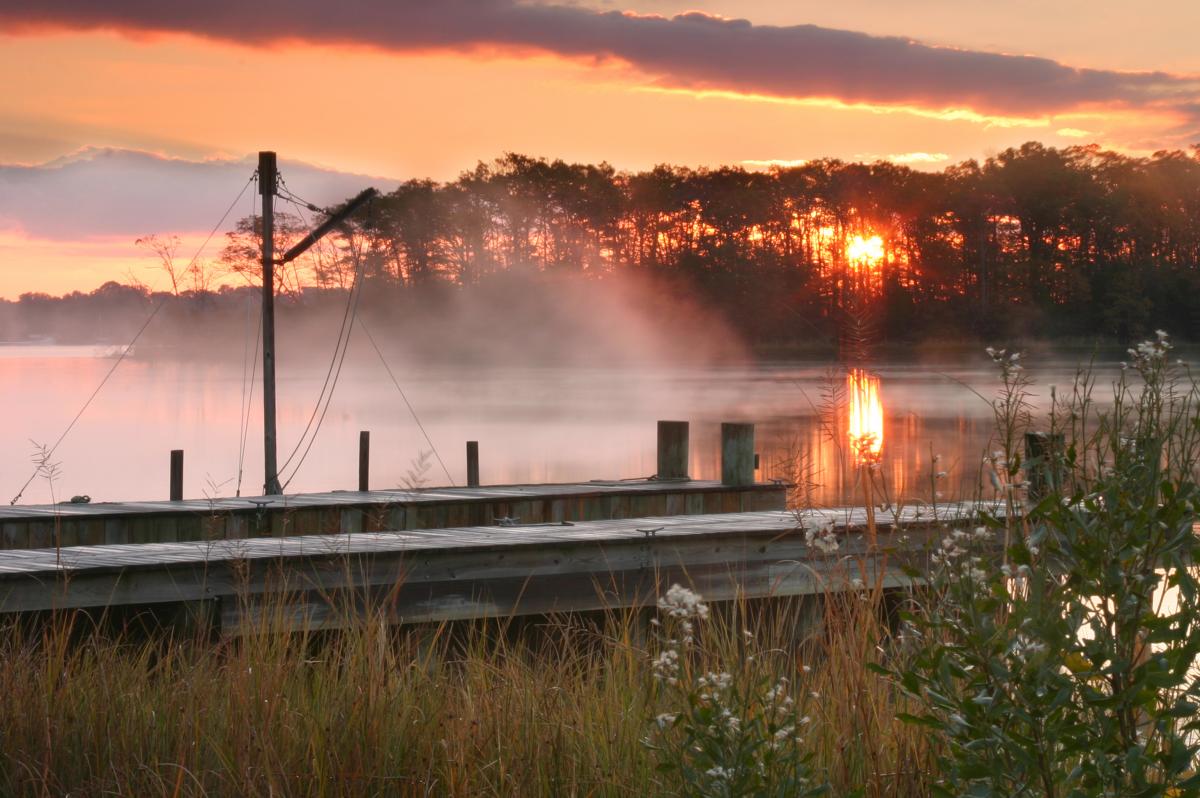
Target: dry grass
<point x="549" y="707"/>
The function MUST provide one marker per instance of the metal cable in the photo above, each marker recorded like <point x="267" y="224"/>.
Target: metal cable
<point x="247" y="383"/>
<point x="154" y="312"/>
<point x="341" y="346"/>
<point x="247" y="400"/>
<point x="407" y="403"/>
<point x="352" y="310"/>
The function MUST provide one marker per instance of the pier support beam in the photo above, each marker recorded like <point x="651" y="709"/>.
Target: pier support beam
<point x="177" y="475"/>
<point x="364" y="460"/>
<point x="737" y="454"/>
<point x="472" y="464"/>
<point x="672" y="450"/>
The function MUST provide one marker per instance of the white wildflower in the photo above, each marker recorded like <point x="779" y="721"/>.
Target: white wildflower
<point x="666" y="665"/>
<point x="1024" y="647"/>
<point x="679" y="602"/>
<point x="715" y="681"/>
<point x="972" y="571"/>
<point x="1148" y="355"/>
<point x="822" y="538"/>
<point x="776" y="693"/>
<point x="718" y="773"/>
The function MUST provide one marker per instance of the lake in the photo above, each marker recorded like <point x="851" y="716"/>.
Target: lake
<point x="533" y="424"/>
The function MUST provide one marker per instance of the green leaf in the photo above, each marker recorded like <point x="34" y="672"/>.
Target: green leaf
<point x="921" y="720"/>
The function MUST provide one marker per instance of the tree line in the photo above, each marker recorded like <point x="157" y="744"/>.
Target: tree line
<point x="1036" y="241"/>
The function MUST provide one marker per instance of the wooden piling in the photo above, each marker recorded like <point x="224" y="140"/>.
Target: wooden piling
<point x="673" y="450"/>
<point x="472" y="464"/>
<point x="364" y="460"/>
<point x="737" y="454"/>
<point x="177" y="475"/>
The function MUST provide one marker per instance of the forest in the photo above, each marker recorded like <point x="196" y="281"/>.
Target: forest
<point x="1034" y="242"/>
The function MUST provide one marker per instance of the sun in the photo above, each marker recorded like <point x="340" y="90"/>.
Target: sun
<point x="864" y="252"/>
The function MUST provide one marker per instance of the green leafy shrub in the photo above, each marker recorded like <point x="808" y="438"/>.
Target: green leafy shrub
<point x="1056" y="651"/>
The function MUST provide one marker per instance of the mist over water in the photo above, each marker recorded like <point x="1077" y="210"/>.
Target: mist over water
<point x="534" y="424"/>
<point x="559" y="383"/>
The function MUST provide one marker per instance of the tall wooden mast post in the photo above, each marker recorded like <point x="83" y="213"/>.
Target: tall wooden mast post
<point x="267" y="172"/>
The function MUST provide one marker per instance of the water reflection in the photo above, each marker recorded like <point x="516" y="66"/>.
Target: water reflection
<point x="864" y="416"/>
<point x="533" y="424"/>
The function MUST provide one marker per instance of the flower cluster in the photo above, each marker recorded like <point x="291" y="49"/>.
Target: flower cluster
<point x="1023" y="648"/>
<point x="1008" y="363"/>
<point x="822" y="538"/>
<point x="955" y="550"/>
<point x="1149" y="355"/>
<point x="666" y="666"/>
<point x="679" y="602"/>
<point x="723" y="733"/>
<point x="714" y="682"/>
<point x="719" y="773"/>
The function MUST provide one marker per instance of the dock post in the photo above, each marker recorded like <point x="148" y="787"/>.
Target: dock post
<point x="472" y="464"/>
<point x="672" y="450"/>
<point x="737" y="454"/>
<point x="177" y="475"/>
<point x="364" y="460"/>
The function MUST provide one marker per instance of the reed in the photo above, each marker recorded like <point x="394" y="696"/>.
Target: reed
<point x="546" y="706"/>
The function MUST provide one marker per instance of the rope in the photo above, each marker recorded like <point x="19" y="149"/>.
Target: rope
<point x="344" y="344"/>
<point x="343" y="341"/>
<point x="247" y="381"/>
<point x="247" y="395"/>
<point x="407" y="403"/>
<point x="125" y="352"/>
<point x="286" y="192"/>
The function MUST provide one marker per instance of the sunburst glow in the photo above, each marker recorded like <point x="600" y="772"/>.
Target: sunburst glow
<point x="866" y="252"/>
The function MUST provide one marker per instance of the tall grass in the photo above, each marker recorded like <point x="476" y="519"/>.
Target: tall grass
<point x="547" y="706"/>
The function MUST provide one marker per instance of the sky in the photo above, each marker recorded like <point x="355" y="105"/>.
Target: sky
<point x="134" y="117"/>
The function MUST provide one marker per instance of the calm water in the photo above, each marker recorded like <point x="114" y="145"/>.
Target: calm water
<point x="533" y="424"/>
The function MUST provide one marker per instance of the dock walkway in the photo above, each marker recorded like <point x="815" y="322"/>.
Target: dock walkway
<point x="472" y="572"/>
<point x="39" y="526"/>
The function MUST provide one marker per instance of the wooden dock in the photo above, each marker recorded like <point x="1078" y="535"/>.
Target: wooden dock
<point x="473" y="571"/>
<point x="40" y="526"/>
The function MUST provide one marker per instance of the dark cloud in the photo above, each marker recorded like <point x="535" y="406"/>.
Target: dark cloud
<point x="113" y="192"/>
<point x="689" y="50"/>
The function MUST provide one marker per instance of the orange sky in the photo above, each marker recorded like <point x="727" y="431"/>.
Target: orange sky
<point x="401" y="112"/>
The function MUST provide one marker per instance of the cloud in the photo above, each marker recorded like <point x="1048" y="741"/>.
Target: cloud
<point x="919" y="157"/>
<point x="767" y="163"/>
<point x="692" y="50"/>
<point x="105" y="193"/>
<point x="906" y="157"/>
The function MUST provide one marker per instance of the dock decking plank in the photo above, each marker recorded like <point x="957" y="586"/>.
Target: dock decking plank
<point x="47" y="526"/>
